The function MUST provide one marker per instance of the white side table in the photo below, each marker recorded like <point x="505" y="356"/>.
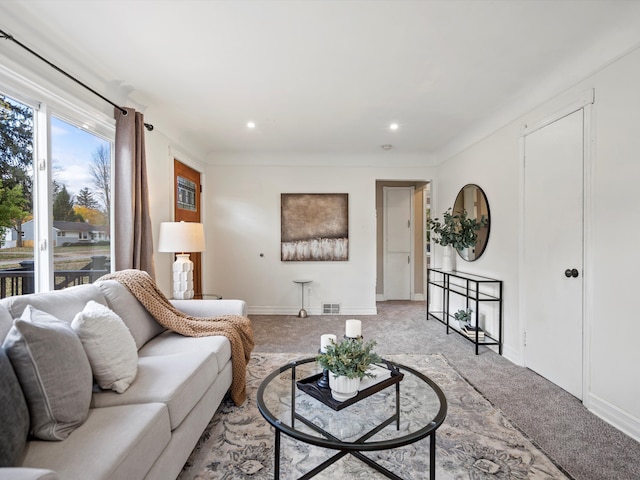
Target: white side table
<point x="302" y="313"/>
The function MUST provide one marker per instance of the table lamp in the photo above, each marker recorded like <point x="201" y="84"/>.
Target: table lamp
<point x="182" y="237"/>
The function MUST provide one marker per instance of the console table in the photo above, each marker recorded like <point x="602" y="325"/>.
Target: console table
<point x="474" y="289"/>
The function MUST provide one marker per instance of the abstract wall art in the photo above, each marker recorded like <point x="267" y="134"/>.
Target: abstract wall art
<point x="314" y="227"/>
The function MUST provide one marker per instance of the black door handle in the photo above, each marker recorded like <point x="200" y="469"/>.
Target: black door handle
<point x="571" y="272"/>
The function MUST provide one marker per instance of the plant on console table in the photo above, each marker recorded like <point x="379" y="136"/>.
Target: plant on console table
<point x="463" y="317"/>
<point x="347" y="362"/>
<point x="455" y="232"/>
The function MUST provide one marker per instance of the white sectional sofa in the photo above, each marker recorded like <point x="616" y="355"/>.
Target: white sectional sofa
<point x="146" y="432"/>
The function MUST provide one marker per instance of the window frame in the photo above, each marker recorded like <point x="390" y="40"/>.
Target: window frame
<point x="46" y="103"/>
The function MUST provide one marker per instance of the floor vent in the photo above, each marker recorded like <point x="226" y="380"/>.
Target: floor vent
<point x="330" y="308"/>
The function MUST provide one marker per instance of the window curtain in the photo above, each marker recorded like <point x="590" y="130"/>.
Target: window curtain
<point x="132" y="229"/>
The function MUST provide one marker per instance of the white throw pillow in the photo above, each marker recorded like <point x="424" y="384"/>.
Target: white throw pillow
<point x="109" y="344"/>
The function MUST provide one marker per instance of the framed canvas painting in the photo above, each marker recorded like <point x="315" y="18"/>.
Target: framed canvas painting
<point x="314" y="227"/>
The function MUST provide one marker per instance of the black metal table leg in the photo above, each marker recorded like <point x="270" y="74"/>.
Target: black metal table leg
<point x="276" y="459"/>
<point x="432" y="456"/>
<point x="398" y="406"/>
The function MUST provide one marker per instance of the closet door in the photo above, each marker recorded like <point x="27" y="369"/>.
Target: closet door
<point x="553" y="251"/>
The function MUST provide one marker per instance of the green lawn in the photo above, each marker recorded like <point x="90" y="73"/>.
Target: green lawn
<point x="65" y="258"/>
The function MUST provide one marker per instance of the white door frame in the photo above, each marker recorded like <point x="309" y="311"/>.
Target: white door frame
<point x="585" y="102"/>
<point x="412" y="241"/>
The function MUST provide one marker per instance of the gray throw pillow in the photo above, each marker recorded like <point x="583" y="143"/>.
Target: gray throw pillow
<point x="54" y="372"/>
<point x="14" y="415"/>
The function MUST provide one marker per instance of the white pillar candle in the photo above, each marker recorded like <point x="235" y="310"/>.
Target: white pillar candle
<point x="326" y="340"/>
<point x="354" y="328"/>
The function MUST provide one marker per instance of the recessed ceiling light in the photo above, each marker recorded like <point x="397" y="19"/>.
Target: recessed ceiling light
<point x="251" y="124"/>
<point x="386" y="146"/>
<point x="393" y="126"/>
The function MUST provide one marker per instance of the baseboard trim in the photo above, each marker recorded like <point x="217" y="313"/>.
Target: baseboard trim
<point x="615" y="416"/>
<point x="513" y="355"/>
<point x="315" y="311"/>
<point x="416" y="297"/>
<point x="271" y="310"/>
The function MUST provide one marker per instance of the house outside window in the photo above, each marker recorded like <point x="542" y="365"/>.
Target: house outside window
<point x="55" y="168"/>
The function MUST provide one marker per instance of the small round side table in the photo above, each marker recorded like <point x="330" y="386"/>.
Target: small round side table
<point x="302" y="313"/>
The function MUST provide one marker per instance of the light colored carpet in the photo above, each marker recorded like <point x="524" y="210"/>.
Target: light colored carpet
<point x="476" y="440"/>
<point x="583" y="444"/>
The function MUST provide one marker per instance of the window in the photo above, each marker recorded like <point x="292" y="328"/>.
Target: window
<point x="16" y="196"/>
<point x="55" y="219"/>
<point x="81" y="184"/>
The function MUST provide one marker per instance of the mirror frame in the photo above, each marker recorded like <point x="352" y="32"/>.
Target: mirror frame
<point x="483" y="233"/>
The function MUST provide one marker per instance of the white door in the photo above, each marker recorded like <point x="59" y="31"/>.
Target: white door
<point x="398" y="244"/>
<point x="553" y="251"/>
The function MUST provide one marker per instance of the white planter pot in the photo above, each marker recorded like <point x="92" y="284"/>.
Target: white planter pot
<point x="448" y="259"/>
<point x="343" y="388"/>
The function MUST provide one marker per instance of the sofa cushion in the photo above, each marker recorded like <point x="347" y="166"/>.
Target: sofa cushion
<point x="54" y="373"/>
<point x="14" y="415"/>
<point x="211" y="308"/>
<point x="114" y="443"/>
<point x="169" y="343"/>
<point x="22" y="473"/>
<point x="179" y="381"/>
<point x="6" y="322"/>
<point x="141" y="324"/>
<point x="62" y="304"/>
<point x="109" y="346"/>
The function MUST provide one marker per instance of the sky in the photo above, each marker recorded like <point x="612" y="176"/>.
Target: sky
<point x="72" y="152"/>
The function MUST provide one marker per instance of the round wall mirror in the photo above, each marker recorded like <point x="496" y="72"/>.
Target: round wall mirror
<point x="472" y="199"/>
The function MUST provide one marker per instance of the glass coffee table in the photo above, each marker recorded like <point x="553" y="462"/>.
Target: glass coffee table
<point x="401" y="410"/>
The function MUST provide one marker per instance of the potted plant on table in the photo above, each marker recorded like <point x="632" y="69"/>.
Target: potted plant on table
<point x="347" y="362"/>
<point x="456" y="231"/>
<point x="463" y="317"/>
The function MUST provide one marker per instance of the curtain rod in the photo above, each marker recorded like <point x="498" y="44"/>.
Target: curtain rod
<point x="6" y="36"/>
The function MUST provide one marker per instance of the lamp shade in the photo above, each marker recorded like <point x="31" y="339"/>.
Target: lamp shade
<point x="181" y="237"/>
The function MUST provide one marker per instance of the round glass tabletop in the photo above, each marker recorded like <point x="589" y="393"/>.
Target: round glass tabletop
<point x="402" y="413"/>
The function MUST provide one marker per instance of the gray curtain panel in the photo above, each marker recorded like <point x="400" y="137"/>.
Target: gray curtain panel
<point x="133" y="235"/>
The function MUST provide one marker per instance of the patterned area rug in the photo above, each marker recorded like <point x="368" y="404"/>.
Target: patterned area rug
<point x="475" y="441"/>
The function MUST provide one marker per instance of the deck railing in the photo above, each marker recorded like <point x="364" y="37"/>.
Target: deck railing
<point x="20" y="280"/>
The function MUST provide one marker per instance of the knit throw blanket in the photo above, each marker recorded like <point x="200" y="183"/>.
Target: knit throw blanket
<point x="235" y="327"/>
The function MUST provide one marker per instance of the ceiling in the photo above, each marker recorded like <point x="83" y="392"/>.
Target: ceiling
<point x="326" y="77"/>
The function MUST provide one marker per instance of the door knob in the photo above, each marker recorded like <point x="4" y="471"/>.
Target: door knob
<point x="571" y="272"/>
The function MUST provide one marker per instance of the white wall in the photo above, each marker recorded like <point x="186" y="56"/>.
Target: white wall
<point x="611" y="210"/>
<point x="614" y="387"/>
<point x="243" y="221"/>
<point x="160" y="183"/>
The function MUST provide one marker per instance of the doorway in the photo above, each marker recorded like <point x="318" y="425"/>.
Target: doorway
<point x="553" y="246"/>
<point x="418" y="257"/>
<point x="187" y="190"/>
<point x="398" y="242"/>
